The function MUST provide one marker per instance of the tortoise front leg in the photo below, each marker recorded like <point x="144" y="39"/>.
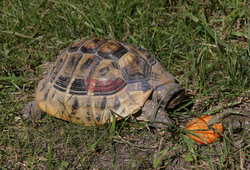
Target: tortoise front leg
<point x="31" y="111"/>
<point x="149" y="113"/>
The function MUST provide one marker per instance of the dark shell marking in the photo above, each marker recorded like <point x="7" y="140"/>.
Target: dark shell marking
<point x="46" y="95"/>
<point x="109" y="87"/>
<point x="74" y="69"/>
<point x="103" y="103"/>
<point x="79" y="86"/>
<point x="86" y="64"/>
<point x="115" y="65"/>
<point x="98" y="118"/>
<point x="53" y="95"/>
<point x="103" y="71"/>
<point x="44" y="84"/>
<point x="117" y="103"/>
<point x="75" y="105"/>
<point x="62" y="83"/>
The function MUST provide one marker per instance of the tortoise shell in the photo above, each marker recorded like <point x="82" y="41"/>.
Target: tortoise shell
<point x="95" y="76"/>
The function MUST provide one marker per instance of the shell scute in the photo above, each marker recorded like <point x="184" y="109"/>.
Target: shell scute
<point x="75" y="47"/>
<point x="112" y="50"/>
<point x="92" y="45"/>
<point x="135" y="67"/>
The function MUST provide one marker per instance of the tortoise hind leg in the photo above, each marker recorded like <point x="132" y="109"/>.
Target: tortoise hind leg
<point x="31" y="111"/>
<point x="148" y="114"/>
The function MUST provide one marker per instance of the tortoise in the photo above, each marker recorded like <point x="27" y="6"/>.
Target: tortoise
<point x="93" y="78"/>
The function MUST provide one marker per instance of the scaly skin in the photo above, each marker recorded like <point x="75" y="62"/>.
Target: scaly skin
<point x="31" y="111"/>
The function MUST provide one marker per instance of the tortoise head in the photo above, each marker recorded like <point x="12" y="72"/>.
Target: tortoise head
<point x="169" y="94"/>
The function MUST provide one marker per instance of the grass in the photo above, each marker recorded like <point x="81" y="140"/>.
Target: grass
<point x="204" y="44"/>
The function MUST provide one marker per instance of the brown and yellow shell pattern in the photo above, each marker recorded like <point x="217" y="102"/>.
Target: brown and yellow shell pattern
<point x="95" y="76"/>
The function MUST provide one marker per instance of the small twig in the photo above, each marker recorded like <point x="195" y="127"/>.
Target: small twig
<point x="160" y="144"/>
<point x="241" y="160"/>
<point x="223" y="107"/>
<point x="221" y="116"/>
